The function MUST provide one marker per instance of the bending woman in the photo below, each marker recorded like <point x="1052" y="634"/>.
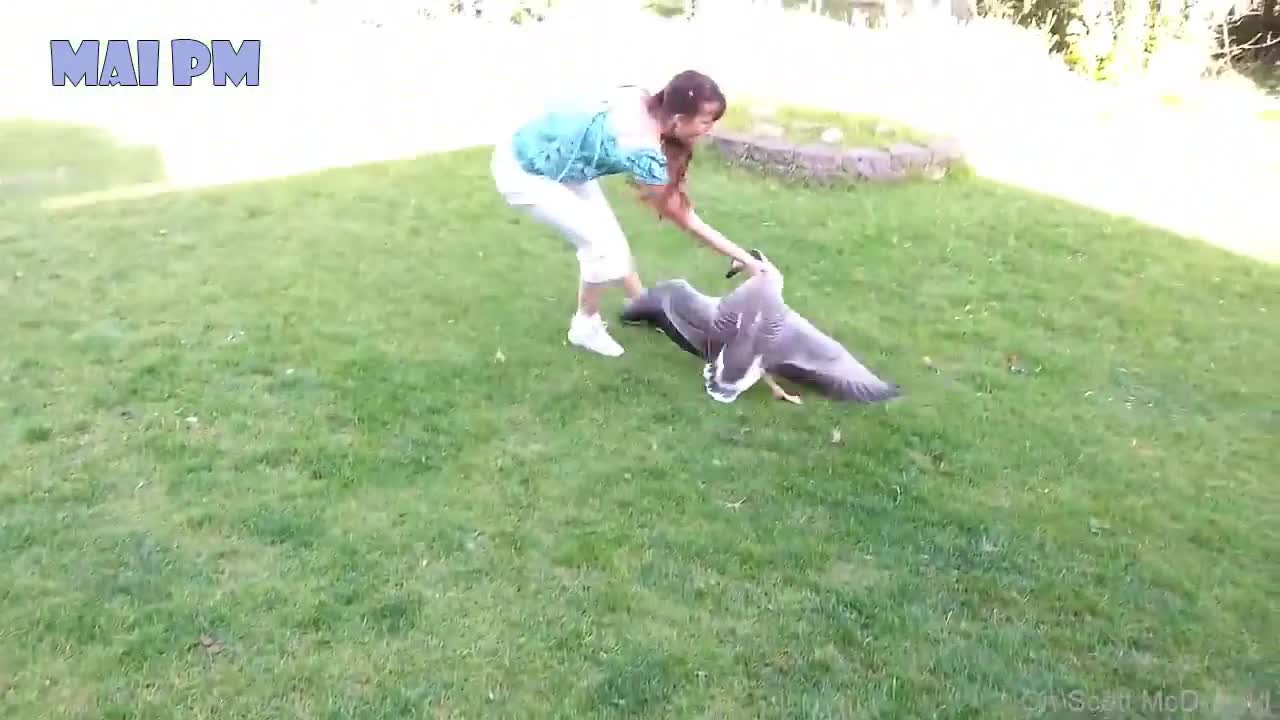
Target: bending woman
<point x="551" y="166"/>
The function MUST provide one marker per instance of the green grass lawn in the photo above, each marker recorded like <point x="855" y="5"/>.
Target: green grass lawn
<point x="316" y="448"/>
<point x="802" y="124"/>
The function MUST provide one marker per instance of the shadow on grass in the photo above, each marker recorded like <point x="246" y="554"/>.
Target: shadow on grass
<point x="41" y="159"/>
<point x="1075" y="492"/>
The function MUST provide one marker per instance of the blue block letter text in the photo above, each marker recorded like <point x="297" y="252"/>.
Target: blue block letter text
<point x="238" y="66"/>
<point x="190" y="58"/>
<point x="80" y="65"/>
<point x="149" y="62"/>
<point x="117" y="66"/>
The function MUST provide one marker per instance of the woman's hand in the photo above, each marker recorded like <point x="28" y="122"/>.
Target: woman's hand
<point x="755" y="267"/>
<point x="746" y="261"/>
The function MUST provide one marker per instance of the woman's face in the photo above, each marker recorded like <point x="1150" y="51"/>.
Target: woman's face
<point x="689" y="129"/>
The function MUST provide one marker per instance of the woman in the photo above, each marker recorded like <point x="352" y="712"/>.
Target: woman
<point x="551" y="166"/>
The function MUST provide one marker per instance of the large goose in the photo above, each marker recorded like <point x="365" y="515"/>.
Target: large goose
<point x="751" y="334"/>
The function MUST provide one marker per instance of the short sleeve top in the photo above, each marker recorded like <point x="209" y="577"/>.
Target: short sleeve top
<point x="576" y="142"/>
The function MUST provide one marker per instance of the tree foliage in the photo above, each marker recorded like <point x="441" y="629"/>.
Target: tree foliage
<point x="1106" y="38"/>
<point x="1100" y="38"/>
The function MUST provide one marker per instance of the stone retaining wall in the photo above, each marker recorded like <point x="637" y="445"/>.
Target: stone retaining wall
<point x="824" y="163"/>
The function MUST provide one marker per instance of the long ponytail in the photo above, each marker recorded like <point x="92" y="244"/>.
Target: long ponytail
<point x="685" y="94"/>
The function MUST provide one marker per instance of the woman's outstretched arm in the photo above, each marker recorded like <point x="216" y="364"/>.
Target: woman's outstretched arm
<point x="718" y="242"/>
<point x="675" y="207"/>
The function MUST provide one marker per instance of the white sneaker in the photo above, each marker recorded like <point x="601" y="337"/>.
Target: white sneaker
<point x="591" y="333"/>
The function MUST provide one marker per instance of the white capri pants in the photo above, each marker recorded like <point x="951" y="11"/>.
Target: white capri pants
<point x="578" y="210"/>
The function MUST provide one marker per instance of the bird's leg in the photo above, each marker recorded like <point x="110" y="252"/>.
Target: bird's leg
<point x="779" y="392"/>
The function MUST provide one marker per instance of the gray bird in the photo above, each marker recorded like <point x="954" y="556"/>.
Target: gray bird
<point x="751" y="334"/>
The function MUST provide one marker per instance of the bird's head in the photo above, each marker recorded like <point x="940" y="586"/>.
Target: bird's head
<point x="736" y="267"/>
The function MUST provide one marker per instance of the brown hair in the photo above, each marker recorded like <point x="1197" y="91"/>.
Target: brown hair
<point x="684" y="94"/>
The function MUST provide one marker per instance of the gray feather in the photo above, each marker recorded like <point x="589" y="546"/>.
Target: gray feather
<point x="752" y="331"/>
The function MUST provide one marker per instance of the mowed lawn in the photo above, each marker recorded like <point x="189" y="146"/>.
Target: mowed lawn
<point x="316" y="448"/>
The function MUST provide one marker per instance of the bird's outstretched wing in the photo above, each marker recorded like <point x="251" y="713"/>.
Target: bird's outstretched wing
<point x="807" y="355"/>
<point x="682" y="313"/>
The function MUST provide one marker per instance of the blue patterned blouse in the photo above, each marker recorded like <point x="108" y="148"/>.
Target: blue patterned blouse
<point x="574" y="143"/>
